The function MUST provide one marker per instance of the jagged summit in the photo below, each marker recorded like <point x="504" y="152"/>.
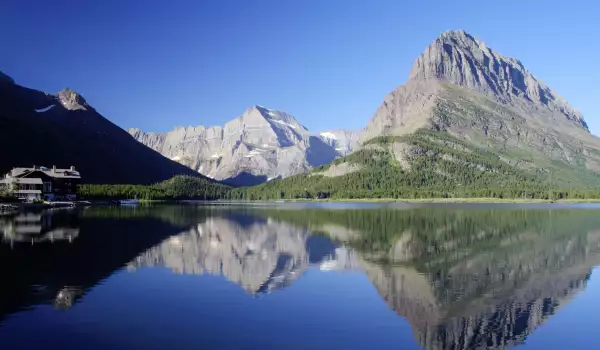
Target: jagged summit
<point x="259" y="145"/>
<point x="71" y="100"/>
<point x="461" y="86"/>
<point x="459" y="58"/>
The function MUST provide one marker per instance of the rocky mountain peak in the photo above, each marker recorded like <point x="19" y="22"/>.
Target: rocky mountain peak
<point x="279" y="117"/>
<point x="259" y="145"/>
<point x="71" y="100"/>
<point x="459" y="58"/>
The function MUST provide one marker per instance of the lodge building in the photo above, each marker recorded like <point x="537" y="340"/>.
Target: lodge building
<point x="43" y="183"/>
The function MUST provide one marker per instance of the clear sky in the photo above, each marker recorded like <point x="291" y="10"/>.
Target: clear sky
<point x="159" y="64"/>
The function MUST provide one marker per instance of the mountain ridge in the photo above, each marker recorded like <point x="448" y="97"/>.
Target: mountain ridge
<point x="63" y="129"/>
<point x="468" y="122"/>
<point x="460" y="86"/>
<point x="260" y="145"/>
<point x="459" y="58"/>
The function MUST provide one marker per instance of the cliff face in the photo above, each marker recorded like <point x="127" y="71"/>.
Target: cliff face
<point x="260" y="145"/>
<point x="458" y="58"/>
<point x="461" y="86"/>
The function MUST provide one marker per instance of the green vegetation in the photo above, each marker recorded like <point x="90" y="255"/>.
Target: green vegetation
<point x="426" y="164"/>
<point x="6" y="194"/>
<point x="440" y="236"/>
<point x="439" y="166"/>
<point x="179" y="187"/>
<point x="493" y="126"/>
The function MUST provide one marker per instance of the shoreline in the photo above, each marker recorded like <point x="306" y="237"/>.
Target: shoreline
<point x="462" y="200"/>
<point x="483" y="200"/>
<point x="12" y="206"/>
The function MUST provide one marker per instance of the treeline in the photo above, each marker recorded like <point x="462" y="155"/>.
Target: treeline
<point x="297" y="189"/>
<point x="179" y="187"/>
<point x="437" y="165"/>
<point x="441" y="167"/>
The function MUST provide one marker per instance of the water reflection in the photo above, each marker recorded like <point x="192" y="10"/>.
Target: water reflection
<point x="470" y="279"/>
<point x="36" y="227"/>
<point x="37" y="270"/>
<point x="261" y="255"/>
<point x="463" y="278"/>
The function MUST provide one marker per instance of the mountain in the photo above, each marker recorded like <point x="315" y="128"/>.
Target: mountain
<point x="343" y="141"/>
<point x="260" y="145"/>
<point x="464" y="88"/>
<point x="37" y="128"/>
<point x="468" y="122"/>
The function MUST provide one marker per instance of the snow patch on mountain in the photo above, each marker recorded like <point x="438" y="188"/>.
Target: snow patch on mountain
<point x="264" y="143"/>
<point x="283" y="123"/>
<point x="46" y="109"/>
<point x="254" y="152"/>
<point x="329" y="135"/>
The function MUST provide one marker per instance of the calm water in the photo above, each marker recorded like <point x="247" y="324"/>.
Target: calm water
<point x="338" y="276"/>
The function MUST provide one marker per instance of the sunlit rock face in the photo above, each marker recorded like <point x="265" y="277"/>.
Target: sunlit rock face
<point x="459" y="58"/>
<point x="462" y="86"/>
<point x="260" y="145"/>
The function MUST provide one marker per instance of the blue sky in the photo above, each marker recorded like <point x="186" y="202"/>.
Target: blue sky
<point x="159" y="64"/>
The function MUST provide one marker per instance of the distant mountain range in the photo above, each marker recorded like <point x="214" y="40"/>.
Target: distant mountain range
<point x="37" y="128"/>
<point x="468" y="118"/>
<point x="260" y="145"/>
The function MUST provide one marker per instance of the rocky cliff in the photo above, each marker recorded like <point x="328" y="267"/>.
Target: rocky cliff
<point x="260" y="145"/>
<point x="458" y="58"/>
<point x="461" y="86"/>
<point x="343" y="141"/>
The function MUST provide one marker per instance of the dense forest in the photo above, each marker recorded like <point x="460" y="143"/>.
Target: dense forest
<point x="179" y="187"/>
<point x="429" y="164"/>
<point x="437" y="166"/>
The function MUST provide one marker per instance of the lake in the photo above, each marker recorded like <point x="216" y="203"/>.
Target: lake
<point x="302" y="276"/>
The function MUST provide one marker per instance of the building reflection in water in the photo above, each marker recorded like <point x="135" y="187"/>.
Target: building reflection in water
<point x="66" y="297"/>
<point x="37" y="227"/>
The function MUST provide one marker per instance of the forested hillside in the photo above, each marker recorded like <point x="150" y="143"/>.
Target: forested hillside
<point x="179" y="187"/>
<point x="426" y="164"/>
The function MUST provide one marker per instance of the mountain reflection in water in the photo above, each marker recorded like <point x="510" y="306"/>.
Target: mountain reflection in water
<point x="463" y="278"/>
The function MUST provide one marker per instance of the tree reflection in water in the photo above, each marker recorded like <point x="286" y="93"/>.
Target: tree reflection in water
<point x="464" y="278"/>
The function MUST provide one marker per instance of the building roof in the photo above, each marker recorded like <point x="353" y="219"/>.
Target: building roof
<point x="55" y="173"/>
